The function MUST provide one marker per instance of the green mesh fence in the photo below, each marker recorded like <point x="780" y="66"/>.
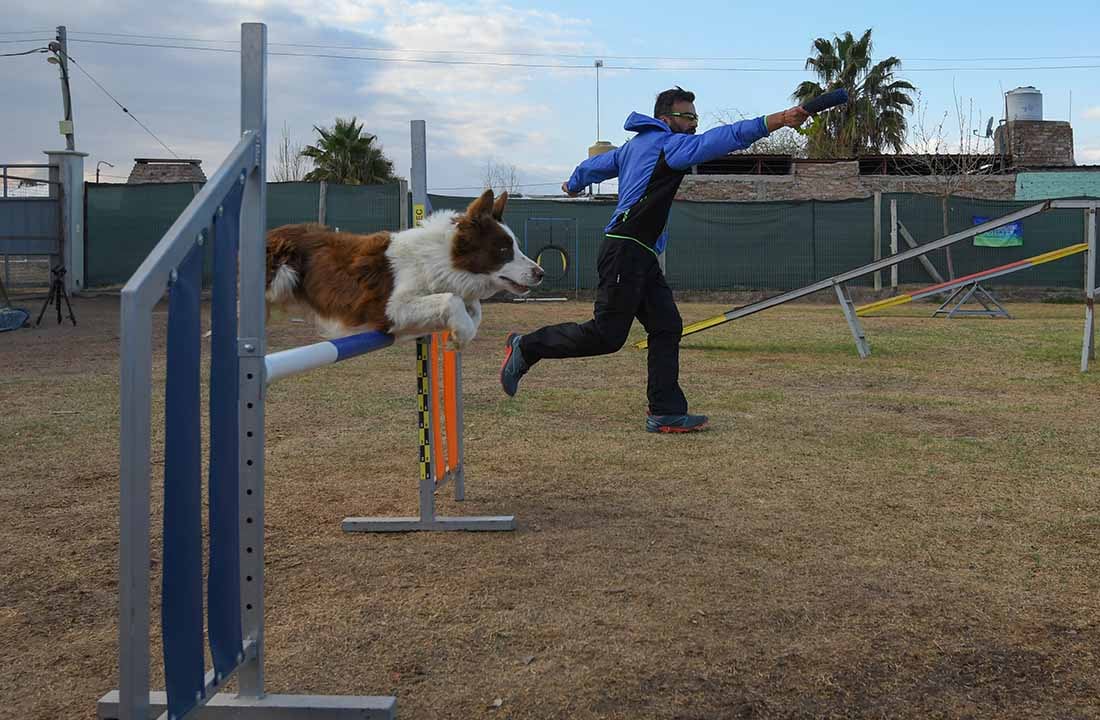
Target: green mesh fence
<point x="125" y="222"/>
<point x="712" y="245"/>
<point x="364" y="208"/>
<point x="923" y="216"/>
<point x="290" y="203"/>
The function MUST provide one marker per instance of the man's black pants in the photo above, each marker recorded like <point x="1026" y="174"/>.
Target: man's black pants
<point x="631" y="285"/>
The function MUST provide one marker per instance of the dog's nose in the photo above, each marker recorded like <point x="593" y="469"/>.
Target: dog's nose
<point x="537" y="273"/>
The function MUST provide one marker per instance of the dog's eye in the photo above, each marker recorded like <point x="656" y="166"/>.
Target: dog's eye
<point x="505" y="250"/>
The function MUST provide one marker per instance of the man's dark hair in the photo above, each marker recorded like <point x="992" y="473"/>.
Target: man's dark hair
<point x="668" y="98"/>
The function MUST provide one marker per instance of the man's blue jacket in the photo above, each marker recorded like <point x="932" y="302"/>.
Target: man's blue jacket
<point x="650" y="168"/>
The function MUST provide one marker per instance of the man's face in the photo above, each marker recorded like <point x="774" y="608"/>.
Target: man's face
<point x="683" y="118"/>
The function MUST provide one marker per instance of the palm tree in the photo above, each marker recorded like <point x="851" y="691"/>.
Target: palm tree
<point x="874" y="118"/>
<point x="343" y="154"/>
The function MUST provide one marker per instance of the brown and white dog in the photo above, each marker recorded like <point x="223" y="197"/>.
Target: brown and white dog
<point x="417" y="281"/>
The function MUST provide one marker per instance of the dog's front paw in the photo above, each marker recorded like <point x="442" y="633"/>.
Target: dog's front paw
<point x="462" y="333"/>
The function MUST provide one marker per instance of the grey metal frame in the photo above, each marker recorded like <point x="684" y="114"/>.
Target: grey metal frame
<point x="245" y="164"/>
<point x="1088" y="343"/>
<point x="1088" y="350"/>
<point x="953" y="305"/>
<point x="854" y="325"/>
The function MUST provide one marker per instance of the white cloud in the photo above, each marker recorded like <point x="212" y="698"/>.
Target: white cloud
<point x="1092" y="113"/>
<point x="1089" y="155"/>
<point x="189" y="98"/>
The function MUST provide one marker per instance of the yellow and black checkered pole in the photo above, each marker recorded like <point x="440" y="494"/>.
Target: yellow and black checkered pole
<point x="424" y="426"/>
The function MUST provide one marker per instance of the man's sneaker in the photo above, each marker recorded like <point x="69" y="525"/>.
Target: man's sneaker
<point x="514" y="366"/>
<point x="675" y="423"/>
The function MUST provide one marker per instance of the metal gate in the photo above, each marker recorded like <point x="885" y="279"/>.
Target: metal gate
<point x="30" y="224"/>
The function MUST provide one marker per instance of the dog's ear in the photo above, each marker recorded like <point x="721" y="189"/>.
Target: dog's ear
<point x="498" y="206"/>
<point x="482" y="206"/>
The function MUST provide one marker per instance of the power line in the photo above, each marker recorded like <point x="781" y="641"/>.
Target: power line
<point x="28" y="52"/>
<point x="586" y="56"/>
<point x="330" y="56"/>
<point x="586" y="67"/>
<point x="124" y="108"/>
<point x="502" y="53"/>
<point x="25" y="40"/>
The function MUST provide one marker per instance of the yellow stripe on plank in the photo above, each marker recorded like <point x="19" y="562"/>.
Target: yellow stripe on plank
<point x="1059" y="254"/>
<point x="880" y="304"/>
<point x="690" y="329"/>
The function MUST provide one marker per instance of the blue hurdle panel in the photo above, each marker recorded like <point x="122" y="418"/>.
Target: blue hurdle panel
<point x="224" y="580"/>
<point x="181" y="578"/>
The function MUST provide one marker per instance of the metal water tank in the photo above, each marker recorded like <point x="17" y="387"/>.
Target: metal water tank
<point x="1024" y="103"/>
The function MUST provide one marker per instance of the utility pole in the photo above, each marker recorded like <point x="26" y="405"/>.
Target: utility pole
<point x="60" y="49"/>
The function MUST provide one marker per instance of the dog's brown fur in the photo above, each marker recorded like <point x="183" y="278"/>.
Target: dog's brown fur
<point x="346" y="274"/>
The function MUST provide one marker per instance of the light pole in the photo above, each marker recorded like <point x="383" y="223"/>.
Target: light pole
<point x="101" y="162"/>
<point x="60" y="50"/>
<point x="599" y="64"/>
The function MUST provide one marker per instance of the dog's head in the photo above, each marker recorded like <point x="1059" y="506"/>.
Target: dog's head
<point x="484" y="245"/>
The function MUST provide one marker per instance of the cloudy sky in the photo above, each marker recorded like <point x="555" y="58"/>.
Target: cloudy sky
<point x="509" y="83"/>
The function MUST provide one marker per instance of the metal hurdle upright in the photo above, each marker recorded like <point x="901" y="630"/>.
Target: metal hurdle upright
<point x="230" y="208"/>
<point x="441" y="447"/>
<point x="438" y="462"/>
<point x="441" y="454"/>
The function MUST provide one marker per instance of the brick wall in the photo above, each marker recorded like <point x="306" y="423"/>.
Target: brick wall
<point x="1036" y="143"/>
<point x="838" y="181"/>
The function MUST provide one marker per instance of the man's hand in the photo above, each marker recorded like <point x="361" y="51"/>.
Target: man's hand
<point x="565" y="189"/>
<point x="791" y="117"/>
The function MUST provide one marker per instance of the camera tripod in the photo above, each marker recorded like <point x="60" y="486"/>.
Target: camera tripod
<point x="57" y="293"/>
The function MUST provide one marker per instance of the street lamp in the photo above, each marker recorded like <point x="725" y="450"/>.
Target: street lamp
<point x="600" y="146"/>
<point x="101" y="162"/>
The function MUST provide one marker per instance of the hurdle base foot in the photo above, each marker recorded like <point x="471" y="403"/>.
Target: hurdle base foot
<point x="486" y="523"/>
<point x="274" y="707"/>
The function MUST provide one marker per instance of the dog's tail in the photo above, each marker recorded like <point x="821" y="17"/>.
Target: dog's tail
<point x="284" y="264"/>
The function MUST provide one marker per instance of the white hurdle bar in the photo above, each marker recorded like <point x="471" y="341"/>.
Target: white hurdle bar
<point x="308" y="357"/>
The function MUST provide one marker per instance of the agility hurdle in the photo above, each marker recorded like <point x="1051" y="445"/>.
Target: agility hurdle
<point x="838" y="282"/>
<point x="440" y="420"/>
<point x="440" y="425"/>
<point x="960" y="284"/>
<point x="229" y="210"/>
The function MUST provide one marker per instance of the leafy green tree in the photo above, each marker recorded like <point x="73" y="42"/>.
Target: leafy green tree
<point x="874" y="119"/>
<point x="344" y="154"/>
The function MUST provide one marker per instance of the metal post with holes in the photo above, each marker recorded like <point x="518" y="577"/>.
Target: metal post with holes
<point x="252" y="347"/>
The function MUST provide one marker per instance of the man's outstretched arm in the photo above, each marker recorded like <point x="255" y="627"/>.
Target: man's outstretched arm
<point x="683" y="151"/>
<point x="593" y="170"/>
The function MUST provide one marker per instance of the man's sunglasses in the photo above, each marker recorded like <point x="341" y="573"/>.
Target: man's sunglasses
<point x="687" y="116"/>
